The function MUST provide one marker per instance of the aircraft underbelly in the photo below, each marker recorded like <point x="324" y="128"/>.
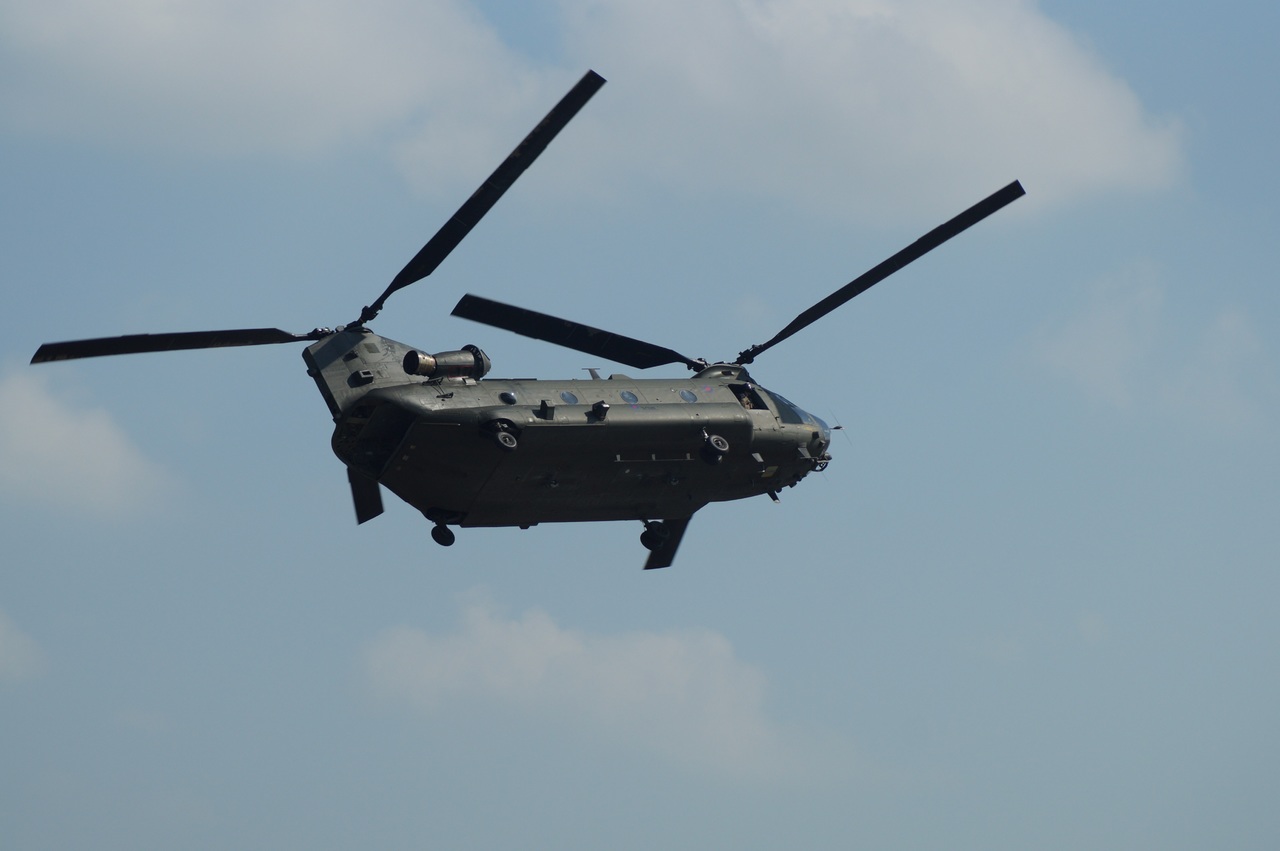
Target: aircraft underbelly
<point x="440" y="465"/>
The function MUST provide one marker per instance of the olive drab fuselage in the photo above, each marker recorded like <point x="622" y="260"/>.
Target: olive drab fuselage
<point x="517" y="452"/>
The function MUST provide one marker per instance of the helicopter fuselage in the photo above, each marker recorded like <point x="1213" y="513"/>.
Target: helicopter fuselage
<point x="518" y="452"/>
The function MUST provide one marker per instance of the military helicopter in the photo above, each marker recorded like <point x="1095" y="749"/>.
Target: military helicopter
<point x="467" y="450"/>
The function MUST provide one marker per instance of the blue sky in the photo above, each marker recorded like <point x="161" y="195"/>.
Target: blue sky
<point x="1030" y="604"/>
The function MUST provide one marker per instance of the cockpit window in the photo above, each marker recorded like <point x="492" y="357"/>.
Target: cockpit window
<point x="787" y="412"/>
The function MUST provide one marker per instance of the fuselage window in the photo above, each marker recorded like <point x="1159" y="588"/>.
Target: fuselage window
<point x="507" y="397"/>
<point x="629" y="397"/>
<point x="569" y="398"/>
<point x="748" y="397"/>
<point x="688" y="396"/>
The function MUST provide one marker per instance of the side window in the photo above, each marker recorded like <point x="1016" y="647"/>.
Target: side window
<point x="748" y="397"/>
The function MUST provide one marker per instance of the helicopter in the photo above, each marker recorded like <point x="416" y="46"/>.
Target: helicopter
<point x="468" y="450"/>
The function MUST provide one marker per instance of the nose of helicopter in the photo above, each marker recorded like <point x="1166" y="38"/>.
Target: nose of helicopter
<point x="824" y="431"/>
<point x="791" y="413"/>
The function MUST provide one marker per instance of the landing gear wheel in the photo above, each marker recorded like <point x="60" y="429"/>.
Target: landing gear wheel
<point x="655" y="534"/>
<point x="506" y="440"/>
<point x="713" y="451"/>
<point x="443" y="535"/>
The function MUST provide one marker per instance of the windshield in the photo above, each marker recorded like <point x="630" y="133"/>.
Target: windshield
<point x="790" y="412"/>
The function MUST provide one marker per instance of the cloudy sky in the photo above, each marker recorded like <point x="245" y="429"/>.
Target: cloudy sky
<point x="1030" y="604"/>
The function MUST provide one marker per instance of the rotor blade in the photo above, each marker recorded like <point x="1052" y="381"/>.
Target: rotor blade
<point x="572" y="335"/>
<point x="454" y="230"/>
<point x="912" y="252"/>
<point x="134" y="343"/>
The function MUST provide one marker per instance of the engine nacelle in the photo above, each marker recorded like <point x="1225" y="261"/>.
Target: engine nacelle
<point x="469" y="362"/>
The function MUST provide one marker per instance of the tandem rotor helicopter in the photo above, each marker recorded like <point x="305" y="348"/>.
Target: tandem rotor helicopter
<point x="467" y="450"/>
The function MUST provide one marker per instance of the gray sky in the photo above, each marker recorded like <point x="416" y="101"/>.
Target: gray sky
<point x="1030" y="604"/>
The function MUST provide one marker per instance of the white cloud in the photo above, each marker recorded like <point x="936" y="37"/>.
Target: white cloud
<point x="1223" y="382"/>
<point x="682" y="693"/>
<point x="904" y="103"/>
<point x="69" y="457"/>
<point x="1106" y="349"/>
<point x="240" y="77"/>
<point x="863" y="108"/>
<point x="1123" y="350"/>
<point x="20" y="656"/>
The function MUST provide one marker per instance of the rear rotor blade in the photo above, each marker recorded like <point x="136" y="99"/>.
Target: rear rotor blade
<point x="912" y="252"/>
<point x="572" y="335"/>
<point x="454" y="230"/>
<point x="134" y="343"/>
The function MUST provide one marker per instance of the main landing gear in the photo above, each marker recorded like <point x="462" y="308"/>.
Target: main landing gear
<point x="655" y="534"/>
<point x="443" y="535"/>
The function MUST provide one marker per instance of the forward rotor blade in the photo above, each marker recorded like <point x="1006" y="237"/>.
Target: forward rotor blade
<point x="572" y="335"/>
<point x="135" y="343"/>
<point x="447" y="238"/>
<point x="912" y="252"/>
